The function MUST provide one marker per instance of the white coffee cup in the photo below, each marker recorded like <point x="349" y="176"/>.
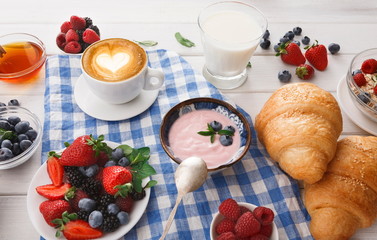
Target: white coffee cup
<point x="116" y="70"/>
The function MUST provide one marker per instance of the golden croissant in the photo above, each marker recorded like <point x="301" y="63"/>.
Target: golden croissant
<point x="299" y="126"/>
<point x="345" y="199"/>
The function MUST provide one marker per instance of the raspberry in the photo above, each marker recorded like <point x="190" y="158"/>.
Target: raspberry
<point x="72" y="47"/>
<point x="60" y="40"/>
<point x="359" y="79"/>
<point x="266" y="230"/>
<point x="90" y="36"/>
<point x="264" y="215"/>
<point x="226" y="225"/>
<point x="259" y="237"/>
<point x="375" y="90"/>
<point x="71" y="35"/>
<point x="77" y="23"/>
<point x="247" y="225"/>
<point x="243" y="210"/>
<point x="369" y="66"/>
<point x="226" y="236"/>
<point x="65" y="27"/>
<point x="230" y="209"/>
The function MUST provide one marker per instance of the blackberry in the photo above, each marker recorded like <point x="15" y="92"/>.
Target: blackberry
<point x="94" y="28"/>
<point x="91" y="186"/>
<point x="83" y="215"/>
<point x="88" y="21"/>
<point x="137" y="196"/>
<point x="74" y="176"/>
<point x="110" y="223"/>
<point x="80" y="33"/>
<point x="84" y="45"/>
<point x="102" y="209"/>
<point x="106" y="199"/>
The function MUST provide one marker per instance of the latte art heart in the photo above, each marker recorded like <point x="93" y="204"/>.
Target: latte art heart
<point x="113" y="63"/>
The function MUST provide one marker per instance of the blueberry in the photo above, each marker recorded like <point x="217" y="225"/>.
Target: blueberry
<point x="123" y="217"/>
<point x="283" y="40"/>
<point x="305" y="40"/>
<point x="110" y="163"/>
<point x="112" y="208"/>
<point x="123" y="162"/>
<point x="266" y="34"/>
<point x="334" y="48"/>
<point x="290" y="35"/>
<point x="89" y="171"/>
<point x="297" y="42"/>
<point x="87" y="204"/>
<point x="5" y="125"/>
<point x="32" y="134"/>
<point x="356" y="72"/>
<point x="7" y="144"/>
<point x="13" y="102"/>
<point x="25" y="144"/>
<point x="216" y="125"/>
<point x="22" y="127"/>
<point x="22" y="137"/>
<point x="16" y="149"/>
<point x="230" y="128"/>
<point x="2" y="105"/>
<point x="95" y="219"/>
<point x="265" y="43"/>
<point x="5" y="154"/>
<point x="276" y="47"/>
<point x="14" y="120"/>
<point x="364" y="97"/>
<point x="117" y="154"/>
<point x="297" y="31"/>
<point x="284" y="76"/>
<point x="226" y="140"/>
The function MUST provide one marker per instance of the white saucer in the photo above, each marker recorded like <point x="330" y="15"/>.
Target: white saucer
<point x="97" y="108"/>
<point x="347" y="105"/>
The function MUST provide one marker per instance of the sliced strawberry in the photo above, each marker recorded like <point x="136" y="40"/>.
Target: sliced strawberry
<point x="80" y="229"/>
<point x="51" y="192"/>
<point x="54" y="169"/>
<point x="51" y="210"/>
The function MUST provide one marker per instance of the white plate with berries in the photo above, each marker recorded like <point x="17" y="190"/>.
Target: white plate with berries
<point x="50" y="188"/>
<point x="233" y="216"/>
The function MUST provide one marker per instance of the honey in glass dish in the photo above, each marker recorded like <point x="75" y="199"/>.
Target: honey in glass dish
<point x="20" y="60"/>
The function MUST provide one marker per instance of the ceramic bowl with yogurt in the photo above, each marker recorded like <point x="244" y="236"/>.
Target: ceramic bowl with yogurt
<point x="180" y="138"/>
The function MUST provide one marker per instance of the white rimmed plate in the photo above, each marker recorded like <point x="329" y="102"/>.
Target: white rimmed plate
<point x="34" y="200"/>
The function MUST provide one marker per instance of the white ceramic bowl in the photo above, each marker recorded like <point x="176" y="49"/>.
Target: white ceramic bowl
<point x="218" y="217"/>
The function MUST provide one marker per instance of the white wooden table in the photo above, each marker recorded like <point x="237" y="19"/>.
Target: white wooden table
<point x="352" y="24"/>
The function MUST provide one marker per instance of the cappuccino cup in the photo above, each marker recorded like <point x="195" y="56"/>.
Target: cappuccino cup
<point x="116" y="70"/>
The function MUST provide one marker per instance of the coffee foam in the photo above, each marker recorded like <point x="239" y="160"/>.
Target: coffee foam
<point x="113" y="60"/>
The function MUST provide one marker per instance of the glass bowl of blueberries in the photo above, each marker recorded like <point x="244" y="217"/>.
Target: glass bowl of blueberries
<point x="20" y="135"/>
<point x="362" y="82"/>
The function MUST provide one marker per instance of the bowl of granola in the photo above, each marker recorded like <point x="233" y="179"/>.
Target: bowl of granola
<point x="362" y="82"/>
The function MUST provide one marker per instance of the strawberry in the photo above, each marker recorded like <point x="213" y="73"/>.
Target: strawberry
<point x="116" y="180"/>
<point x="264" y="215"/>
<point x="290" y="53"/>
<point x="82" y="152"/>
<point x="247" y="225"/>
<point x="72" y="47"/>
<point x="77" y="23"/>
<point x="124" y="203"/>
<point x="304" y="71"/>
<point x="54" y="169"/>
<point x="90" y="36"/>
<point x="359" y="79"/>
<point x="71" y="35"/>
<point x="73" y="196"/>
<point x="226" y="225"/>
<point x="53" y="209"/>
<point x="317" y="56"/>
<point x="369" y="66"/>
<point x="230" y="209"/>
<point x="65" y="27"/>
<point x="51" y="192"/>
<point x="226" y="236"/>
<point x="80" y="229"/>
<point x="60" y="41"/>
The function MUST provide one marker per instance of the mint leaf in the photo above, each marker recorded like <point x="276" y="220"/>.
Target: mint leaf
<point x="151" y="183"/>
<point x="147" y="43"/>
<point x="144" y="171"/>
<point x="225" y="132"/>
<point x="145" y="152"/>
<point x="205" y="133"/>
<point x="136" y="183"/>
<point x="184" y="41"/>
<point x="6" y="134"/>
<point x="126" y="149"/>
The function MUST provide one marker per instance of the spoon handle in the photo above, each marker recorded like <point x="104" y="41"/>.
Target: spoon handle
<point x="171" y="216"/>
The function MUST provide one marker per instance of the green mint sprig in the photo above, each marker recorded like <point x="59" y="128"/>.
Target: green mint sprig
<point x="5" y="134"/>
<point x="183" y="41"/>
<point x="212" y="133"/>
<point x="147" y="43"/>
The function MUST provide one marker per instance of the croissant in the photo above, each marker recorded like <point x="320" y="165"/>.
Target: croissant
<point x="299" y="126"/>
<point x="345" y="199"/>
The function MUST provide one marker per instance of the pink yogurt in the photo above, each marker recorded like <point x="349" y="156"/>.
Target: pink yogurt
<point x="186" y="142"/>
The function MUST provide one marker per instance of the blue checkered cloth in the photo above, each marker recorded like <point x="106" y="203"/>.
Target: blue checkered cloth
<point x="255" y="179"/>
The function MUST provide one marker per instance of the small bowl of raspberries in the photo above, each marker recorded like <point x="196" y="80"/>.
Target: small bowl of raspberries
<point x="240" y="220"/>
<point x="77" y="34"/>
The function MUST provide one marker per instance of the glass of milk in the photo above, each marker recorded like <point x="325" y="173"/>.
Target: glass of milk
<point x="230" y="31"/>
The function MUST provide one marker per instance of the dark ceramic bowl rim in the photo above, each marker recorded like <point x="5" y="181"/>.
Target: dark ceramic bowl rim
<point x="213" y="100"/>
